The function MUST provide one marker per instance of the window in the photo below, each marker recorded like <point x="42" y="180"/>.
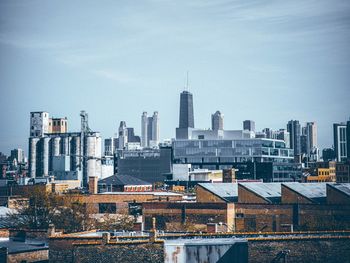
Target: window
<point x="109" y="208"/>
<point x="239" y="215"/>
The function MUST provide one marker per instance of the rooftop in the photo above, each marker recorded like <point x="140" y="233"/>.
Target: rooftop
<point x="226" y="191"/>
<point x="343" y="187"/>
<point x="313" y="191"/>
<point x="269" y="191"/>
<point x="122" y="180"/>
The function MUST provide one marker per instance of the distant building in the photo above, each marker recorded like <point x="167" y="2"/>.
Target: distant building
<point x="249" y="125"/>
<point x="283" y="135"/>
<point x="186" y="117"/>
<point x="268" y="133"/>
<point x="340" y="141"/>
<point x="122" y="135"/>
<point x="328" y="154"/>
<point x="150" y="165"/>
<point x="322" y="172"/>
<point x="342" y="172"/>
<point x="217" y="121"/>
<point x="18" y="155"/>
<point x="293" y="127"/>
<point x="39" y="123"/>
<point x="58" y="125"/>
<point x="150" y="130"/>
<point x="110" y="146"/>
<point x="123" y="183"/>
<point x="348" y="139"/>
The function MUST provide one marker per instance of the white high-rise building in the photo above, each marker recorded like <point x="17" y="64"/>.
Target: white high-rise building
<point x="39" y="123"/>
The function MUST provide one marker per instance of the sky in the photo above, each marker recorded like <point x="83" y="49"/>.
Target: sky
<point x="268" y="61"/>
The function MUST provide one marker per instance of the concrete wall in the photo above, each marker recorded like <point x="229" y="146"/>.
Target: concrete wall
<point x="313" y="250"/>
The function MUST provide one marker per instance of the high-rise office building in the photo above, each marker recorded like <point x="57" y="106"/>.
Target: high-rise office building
<point x="249" y="125"/>
<point x="17" y="154"/>
<point x="144" y="129"/>
<point x="150" y="130"/>
<point x="217" y="121"/>
<point x="340" y="141"/>
<point x="293" y="127"/>
<point x="186" y="117"/>
<point x="122" y="135"/>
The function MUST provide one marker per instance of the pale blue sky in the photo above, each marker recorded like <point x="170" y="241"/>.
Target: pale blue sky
<point x="270" y="61"/>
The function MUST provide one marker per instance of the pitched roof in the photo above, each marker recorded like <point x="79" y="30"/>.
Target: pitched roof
<point x="122" y="180"/>
<point x="343" y="187"/>
<point x="316" y="192"/>
<point x="269" y="191"/>
<point x="226" y="191"/>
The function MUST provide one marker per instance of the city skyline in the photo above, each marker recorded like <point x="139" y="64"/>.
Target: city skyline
<point x="258" y="62"/>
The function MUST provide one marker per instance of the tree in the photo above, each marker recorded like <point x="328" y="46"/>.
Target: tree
<point x="64" y="211"/>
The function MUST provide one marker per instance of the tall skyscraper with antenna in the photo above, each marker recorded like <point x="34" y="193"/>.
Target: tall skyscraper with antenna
<point x="186" y="117"/>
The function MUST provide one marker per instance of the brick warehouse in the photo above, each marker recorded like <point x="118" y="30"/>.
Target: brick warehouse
<point x="258" y="207"/>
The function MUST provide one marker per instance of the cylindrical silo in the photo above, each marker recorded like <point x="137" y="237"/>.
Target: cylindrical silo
<point x="45" y="156"/>
<point x="90" y="147"/>
<point x="65" y="145"/>
<point x="98" y="154"/>
<point x="56" y="146"/>
<point x="75" y="153"/>
<point x="32" y="156"/>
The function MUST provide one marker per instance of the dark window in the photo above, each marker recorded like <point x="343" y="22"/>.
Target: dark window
<point x="239" y="215"/>
<point x="109" y="208"/>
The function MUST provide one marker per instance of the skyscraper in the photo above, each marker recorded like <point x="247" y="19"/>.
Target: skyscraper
<point x="249" y="125"/>
<point x="122" y="135"/>
<point x="217" y="121"/>
<point x="144" y="124"/>
<point x="340" y="141"/>
<point x="186" y="117"/>
<point x="293" y="127"/>
<point x="149" y="130"/>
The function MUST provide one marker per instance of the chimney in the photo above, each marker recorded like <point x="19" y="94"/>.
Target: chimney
<point x="93" y="184"/>
<point x="228" y="175"/>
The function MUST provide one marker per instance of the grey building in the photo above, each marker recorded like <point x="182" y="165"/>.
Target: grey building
<point x="293" y="127"/>
<point x="249" y="125"/>
<point x="217" y="121"/>
<point x="340" y="141"/>
<point x="148" y="164"/>
<point x="150" y="130"/>
<point x="186" y="117"/>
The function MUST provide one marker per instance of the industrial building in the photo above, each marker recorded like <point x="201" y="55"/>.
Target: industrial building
<point x="66" y="156"/>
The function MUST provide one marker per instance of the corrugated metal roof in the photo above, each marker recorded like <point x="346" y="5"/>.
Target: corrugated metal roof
<point x="314" y="191"/>
<point x="269" y="191"/>
<point x="343" y="187"/>
<point x="227" y="191"/>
